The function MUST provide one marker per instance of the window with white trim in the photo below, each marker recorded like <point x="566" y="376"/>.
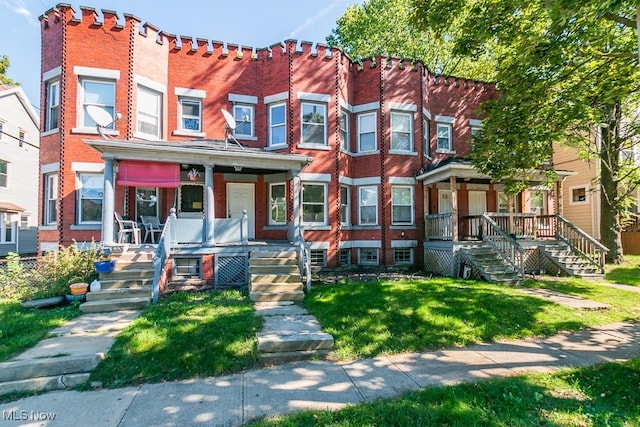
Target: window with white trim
<point x="368" y="205"/>
<point x="147" y="202"/>
<point x="402" y="212"/>
<point x="7" y="228"/>
<point x="318" y="257"/>
<point x="314" y="204"/>
<point x="90" y="195"/>
<point x="190" y="114"/>
<point x="345" y="257"/>
<point x="149" y="113"/>
<point x="4" y="174"/>
<point x="314" y="123"/>
<point x="345" y="205"/>
<point x="367" y="132"/>
<point x="401" y="131"/>
<point x="444" y="137"/>
<point x="403" y="256"/>
<point x="579" y="195"/>
<point x="101" y="93"/>
<point x="51" y="199"/>
<point x="344" y="130"/>
<point x="243" y="114"/>
<point x="475" y="131"/>
<point x="21" y="137"/>
<point x="368" y="256"/>
<point x="425" y="126"/>
<point x="277" y="124"/>
<point x="53" y="105"/>
<point x="277" y="204"/>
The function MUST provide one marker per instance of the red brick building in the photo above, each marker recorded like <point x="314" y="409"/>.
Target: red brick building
<point x="355" y="155"/>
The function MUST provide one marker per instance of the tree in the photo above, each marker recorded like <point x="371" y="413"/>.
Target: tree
<point x="568" y="72"/>
<point x="383" y="27"/>
<point x="4" y="66"/>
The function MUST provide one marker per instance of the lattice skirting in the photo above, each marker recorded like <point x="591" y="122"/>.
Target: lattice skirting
<point x="549" y="268"/>
<point x="438" y="261"/>
<point x="531" y="257"/>
<point x="474" y="272"/>
<point x="231" y="271"/>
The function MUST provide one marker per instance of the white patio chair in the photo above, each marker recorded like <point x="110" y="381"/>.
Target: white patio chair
<point x="152" y="226"/>
<point x="127" y="227"/>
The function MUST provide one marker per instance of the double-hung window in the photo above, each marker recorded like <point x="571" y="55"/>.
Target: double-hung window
<point x="367" y="132"/>
<point x="277" y="124"/>
<point x="149" y="114"/>
<point x="277" y="204"/>
<point x="344" y="130"/>
<point x="401" y="131"/>
<point x="345" y="205"/>
<point x="190" y="115"/>
<point x="100" y="93"/>
<point x="51" y="199"/>
<point x="4" y="174"/>
<point x="53" y="105"/>
<point x="368" y="205"/>
<point x="90" y="195"/>
<point x="402" y="205"/>
<point x="444" y="136"/>
<point x="314" y="204"/>
<point x="314" y="124"/>
<point x="243" y="114"/>
<point x="425" y="126"/>
<point x="7" y="228"/>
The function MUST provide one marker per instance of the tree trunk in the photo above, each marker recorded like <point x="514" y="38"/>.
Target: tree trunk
<point x="610" y="205"/>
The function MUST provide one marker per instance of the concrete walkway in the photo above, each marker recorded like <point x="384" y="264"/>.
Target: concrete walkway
<point x="234" y="399"/>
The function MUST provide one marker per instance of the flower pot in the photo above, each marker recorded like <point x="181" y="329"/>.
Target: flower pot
<point x="76" y="298"/>
<point x="78" y="288"/>
<point x="104" y="266"/>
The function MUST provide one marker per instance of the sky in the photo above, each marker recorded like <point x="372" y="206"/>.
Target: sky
<point x="256" y="23"/>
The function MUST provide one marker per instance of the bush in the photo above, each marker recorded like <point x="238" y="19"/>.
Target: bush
<point x="52" y="274"/>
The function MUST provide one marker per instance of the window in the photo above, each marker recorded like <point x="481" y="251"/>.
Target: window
<point x="475" y="132"/>
<point x="149" y="121"/>
<point x="318" y="257"/>
<point x="190" y="114"/>
<point x="368" y="256"/>
<point x="277" y="125"/>
<point x="90" y="192"/>
<point x="277" y="204"/>
<point x="401" y="134"/>
<point x="345" y="205"/>
<point x="345" y="257"/>
<point x="344" y="130"/>
<point x="4" y="174"/>
<point x="21" y="137"/>
<point x="402" y="202"/>
<point x="444" y="137"/>
<point x="51" y="199"/>
<point x="538" y="202"/>
<point x="1" y="130"/>
<point x="244" y="119"/>
<point x="24" y="221"/>
<point x="403" y="256"/>
<point x="314" y="204"/>
<point x="425" y="125"/>
<point x="146" y="202"/>
<point x="367" y="132"/>
<point x="578" y="195"/>
<point x="314" y="120"/>
<point x="53" y="105"/>
<point x="7" y="228"/>
<point x="368" y="203"/>
<point x="187" y="268"/>
<point x="101" y="93"/>
<point x="503" y="202"/>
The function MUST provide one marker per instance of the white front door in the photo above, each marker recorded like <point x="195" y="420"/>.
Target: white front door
<point x="240" y="197"/>
<point x="477" y="202"/>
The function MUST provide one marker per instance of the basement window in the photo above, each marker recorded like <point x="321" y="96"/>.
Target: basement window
<point x="318" y="257"/>
<point x="185" y="268"/>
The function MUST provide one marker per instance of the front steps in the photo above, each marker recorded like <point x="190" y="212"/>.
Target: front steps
<point x="491" y="266"/>
<point x="274" y="276"/>
<point x="569" y="263"/>
<point x="128" y="287"/>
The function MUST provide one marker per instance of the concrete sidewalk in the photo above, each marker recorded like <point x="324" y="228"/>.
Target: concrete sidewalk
<point x="235" y="399"/>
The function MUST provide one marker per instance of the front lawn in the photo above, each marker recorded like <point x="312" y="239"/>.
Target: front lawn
<point x="185" y="335"/>
<point x="22" y="328"/>
<point x="627" y="273"/>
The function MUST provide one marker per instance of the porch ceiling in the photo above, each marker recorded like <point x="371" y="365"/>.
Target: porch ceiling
<point x="203" y="152"/>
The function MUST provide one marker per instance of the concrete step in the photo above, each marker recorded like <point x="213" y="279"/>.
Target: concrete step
<point x="275" y="278"/>
<point x="275" y="296"/>
<point x="118" y="293"/>
<point x="115" y="305"/>
<point x="273" y="254"/>
<point x="276" y="287"/>
<point x="125" y="283"/>
<point x="17" y="370"/>
<point x="274" y="269"/>
<point x="57" y="382"/>
<point x="132" y="273"/>
<point x="293" y="356"/>
<point x="272" y="261"/>
<point x="132" y="265"/>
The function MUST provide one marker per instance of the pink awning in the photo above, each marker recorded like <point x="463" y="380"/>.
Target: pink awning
<point x="138" y="173"/>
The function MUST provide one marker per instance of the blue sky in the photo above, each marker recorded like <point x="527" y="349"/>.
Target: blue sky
<point x="257" y="23"/>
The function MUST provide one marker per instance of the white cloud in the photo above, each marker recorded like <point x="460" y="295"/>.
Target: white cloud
<point x="19" y="7"/>
<point x="310" y="21"/>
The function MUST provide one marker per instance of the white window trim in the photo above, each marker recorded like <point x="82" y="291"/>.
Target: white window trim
<point x="190" y="93"/>
<point x="411" y="149"/>
<point x="252" y="135"/>
<point x="187" y="132"/>
<point x="4" y="216"/>
<point x="78" y="198"/>
<point x="270" y="125"/>
<point x="160" y="113"/>
<point x="426" y="113"/>
<point x="360" y="206"/>
<point x="346" y="147"/>
<point x="345" y="221"/>
<point x="413" y="207"/>
<point x="7" y="174"/>
<point x="411" y="256"/>
<point x="361" y="262"/>
<point x="314" y="145"/>
<point x="276" y="97"/>
<point x="324" y="222"/>
<point x="271" y="185"/>
<point x="48" y="84"/>
<point x="443" y="150"/>
<point x="586" y="195"/>
<point x="317" y="98"/>
<point x="47" y="186"/>
<point x="96" y="75"/>
<point x="236" y="98"/>
<point x="375" y="131"/>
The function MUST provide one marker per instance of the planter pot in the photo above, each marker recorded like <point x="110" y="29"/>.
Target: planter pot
<point x="104" y="266"/>
<point x="76" y="298"/>
<point x="78" y="288"/>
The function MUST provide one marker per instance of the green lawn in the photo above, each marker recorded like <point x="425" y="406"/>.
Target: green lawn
<point x="185" y="335"/>
<point x="604" y="395"/>
<point x="627" y="273"/>
<point x="22" y="328"/>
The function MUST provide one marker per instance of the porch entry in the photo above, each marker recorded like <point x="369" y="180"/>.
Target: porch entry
<point x="477" y="206"/>
<point x="241" y="197"/>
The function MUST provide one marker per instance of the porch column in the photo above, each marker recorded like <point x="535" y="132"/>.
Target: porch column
<point x="559" y="196"/>
<point x="209" y="208"/>
<point x="454" y="209"/>
<point x="295" y="233"/>
<point x="108" y="202"/>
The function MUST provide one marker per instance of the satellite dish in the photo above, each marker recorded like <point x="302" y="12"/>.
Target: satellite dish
<point x="231" y="122"/>
<point x="99" y="115"/>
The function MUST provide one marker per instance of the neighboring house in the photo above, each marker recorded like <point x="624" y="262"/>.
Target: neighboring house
<point x="19" y="150"/>
<point x="346" y="157"/>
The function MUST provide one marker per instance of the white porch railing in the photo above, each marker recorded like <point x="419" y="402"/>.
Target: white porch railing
<point x="225" y="230"/>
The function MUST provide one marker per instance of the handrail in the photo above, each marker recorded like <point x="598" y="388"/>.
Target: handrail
<point x="161" y="255"/>
<point x="504" y="245"/>
<point x="581" y="243"/>
<point x="438" y="226"/>
<point x="305" y="259"/>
